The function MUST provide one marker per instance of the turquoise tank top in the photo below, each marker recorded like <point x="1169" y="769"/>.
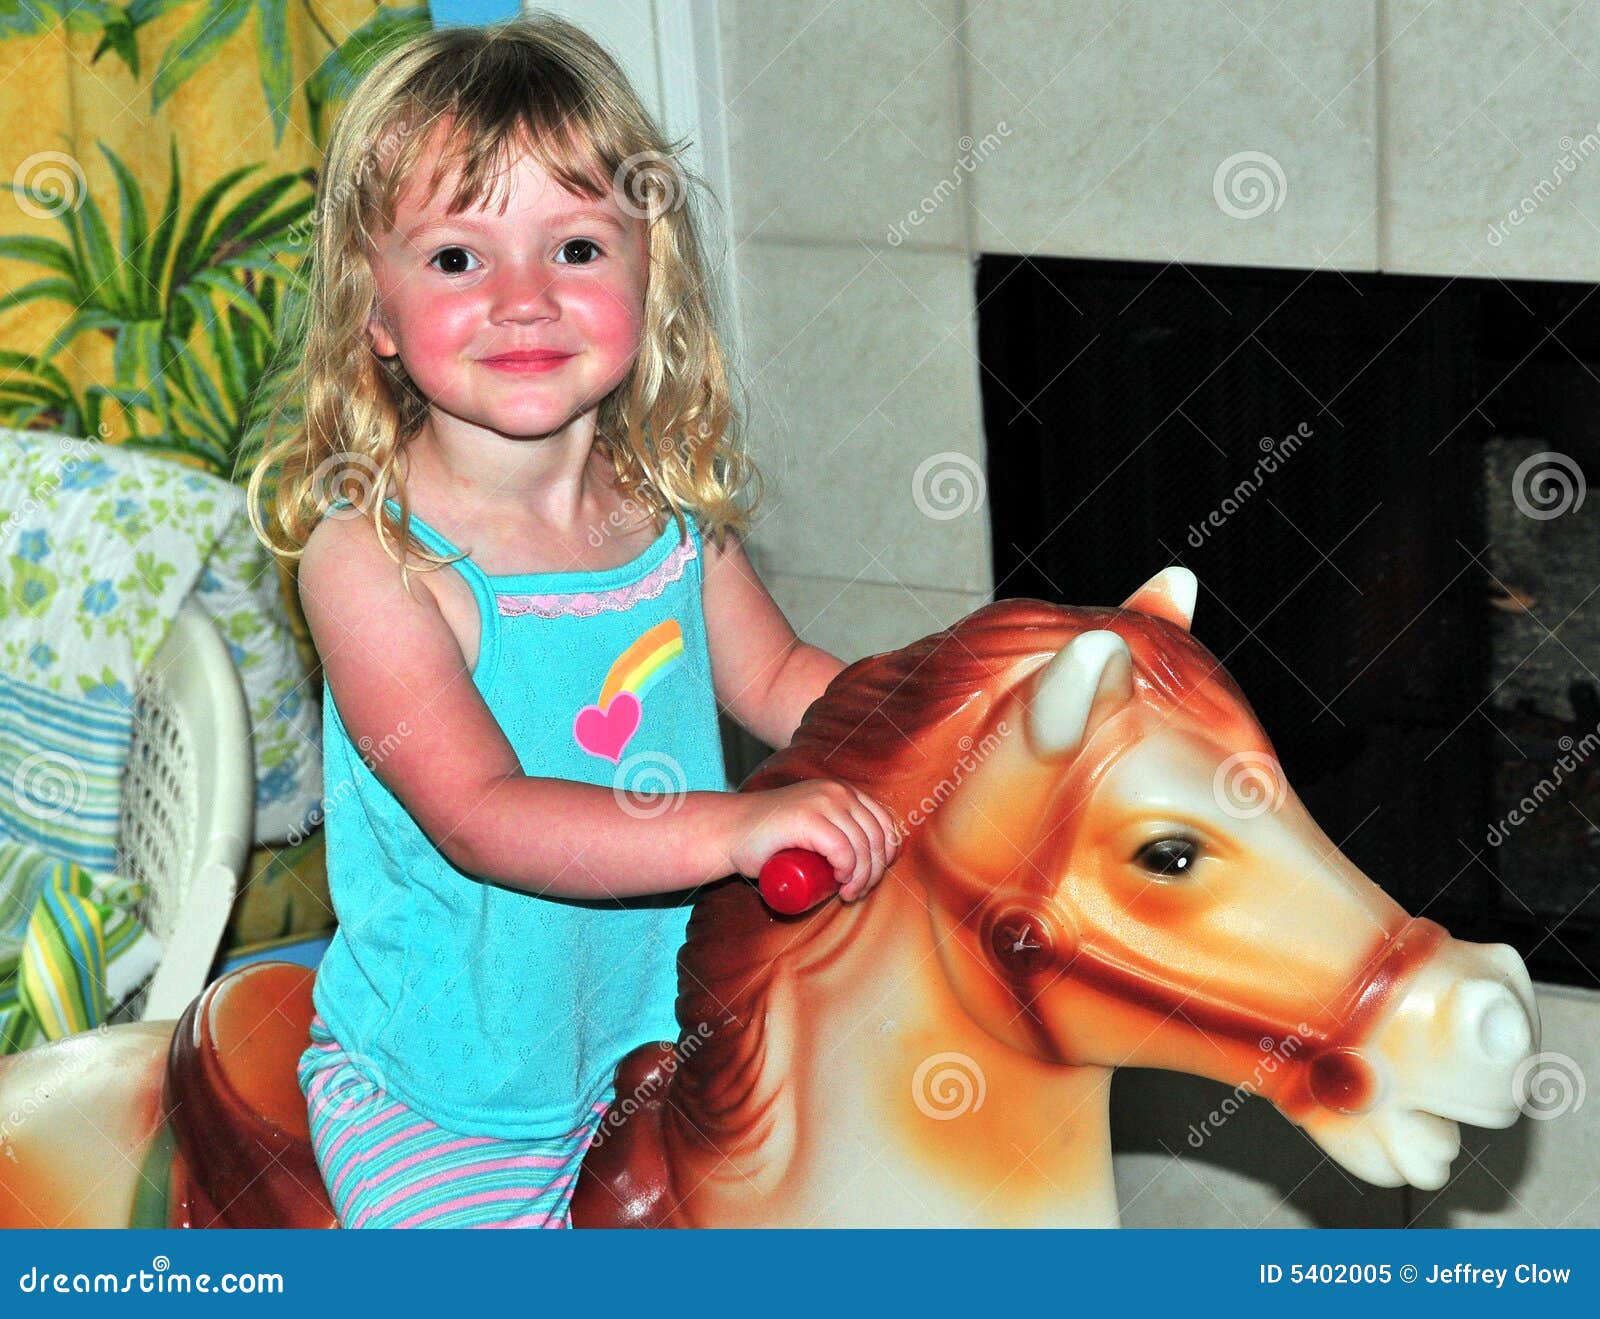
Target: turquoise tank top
<point x="490" y="1010"/>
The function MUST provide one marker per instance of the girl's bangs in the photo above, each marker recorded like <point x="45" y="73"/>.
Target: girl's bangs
<point x="478" y="154"/>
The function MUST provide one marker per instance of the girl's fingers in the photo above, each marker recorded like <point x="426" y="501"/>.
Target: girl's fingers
<point x="891" y="828"/>
<point x="872" y="827"/>
<point x="884" y="836"/>
<point x="861" y="861"/>
<point x="836" y="848"/>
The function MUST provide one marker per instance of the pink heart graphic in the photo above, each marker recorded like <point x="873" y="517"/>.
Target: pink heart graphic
<point x="606" y="732"/>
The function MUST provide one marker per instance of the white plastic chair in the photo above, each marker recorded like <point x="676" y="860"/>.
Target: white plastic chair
<point x="188" y="797"/>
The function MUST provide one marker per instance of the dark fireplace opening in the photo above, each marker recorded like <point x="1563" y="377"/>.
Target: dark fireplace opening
<point x="1380" y="482"/>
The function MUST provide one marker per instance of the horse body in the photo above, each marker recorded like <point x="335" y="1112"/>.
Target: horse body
<point x="1105" y="868"/>
<point x="1102" y="867"/>
<point x="804" y="1105"/>
<point x="77" y="1120"/>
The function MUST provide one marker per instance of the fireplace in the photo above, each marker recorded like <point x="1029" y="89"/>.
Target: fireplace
<point x="1380" y="482"/>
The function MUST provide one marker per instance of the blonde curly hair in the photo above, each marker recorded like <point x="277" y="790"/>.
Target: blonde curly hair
<point x="535" y="83"/>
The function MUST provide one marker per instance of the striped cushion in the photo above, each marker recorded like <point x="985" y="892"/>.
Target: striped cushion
<point x="71" y="946"/>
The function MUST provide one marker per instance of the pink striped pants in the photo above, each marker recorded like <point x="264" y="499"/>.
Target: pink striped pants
<point x="387" y="1166"/>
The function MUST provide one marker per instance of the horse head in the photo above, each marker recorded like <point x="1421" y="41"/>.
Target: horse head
<point x="1127" y="879"/>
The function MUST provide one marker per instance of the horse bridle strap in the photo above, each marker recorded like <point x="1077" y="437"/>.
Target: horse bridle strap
<point x="1322" y="1062"/>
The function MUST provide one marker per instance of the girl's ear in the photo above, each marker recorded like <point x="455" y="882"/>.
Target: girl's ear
<point x="378" y="335"/>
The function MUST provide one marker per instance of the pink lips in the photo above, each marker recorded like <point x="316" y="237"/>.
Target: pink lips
<point x="540" y="361"/>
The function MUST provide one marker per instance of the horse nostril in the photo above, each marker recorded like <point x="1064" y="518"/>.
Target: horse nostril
<point x="1503" y="1030"/>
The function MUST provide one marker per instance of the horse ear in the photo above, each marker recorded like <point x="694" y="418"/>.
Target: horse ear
<point x="1170" y="594"/>
<point x="1086" y="681"/>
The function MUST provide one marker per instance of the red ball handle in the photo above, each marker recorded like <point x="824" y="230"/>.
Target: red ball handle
<point x="796" y="880"/>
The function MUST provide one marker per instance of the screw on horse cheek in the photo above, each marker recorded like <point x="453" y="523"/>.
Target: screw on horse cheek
<point x="1023" y="941"/>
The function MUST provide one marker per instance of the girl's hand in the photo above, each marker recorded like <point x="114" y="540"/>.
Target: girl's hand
<point x="857" y="836"/>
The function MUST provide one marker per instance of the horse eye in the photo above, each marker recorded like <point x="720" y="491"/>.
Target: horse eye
<point x="1168" y="858"/>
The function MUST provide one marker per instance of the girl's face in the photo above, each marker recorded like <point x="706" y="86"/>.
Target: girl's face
<point x="556" y="272"/>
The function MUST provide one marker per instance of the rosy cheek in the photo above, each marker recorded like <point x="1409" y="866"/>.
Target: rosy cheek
<point x="436" y="325"/>
<point x="613" y="323"/>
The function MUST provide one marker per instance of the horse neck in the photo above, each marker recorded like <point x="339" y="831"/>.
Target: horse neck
<point x="848" y="1053"/>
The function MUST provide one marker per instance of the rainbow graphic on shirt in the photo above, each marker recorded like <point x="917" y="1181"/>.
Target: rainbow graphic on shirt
<point x="606" y="727"/>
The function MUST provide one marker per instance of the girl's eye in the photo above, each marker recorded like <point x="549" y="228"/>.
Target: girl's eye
<point x="581" y="243"/>
<point x="452" y="255"/>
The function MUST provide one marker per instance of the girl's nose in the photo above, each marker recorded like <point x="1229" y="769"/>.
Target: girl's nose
<point x="524" y="296"/>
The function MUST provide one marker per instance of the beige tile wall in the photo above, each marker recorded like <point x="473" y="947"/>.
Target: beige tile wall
<point x="861" y="375"/>
<point x="876" y="148"/>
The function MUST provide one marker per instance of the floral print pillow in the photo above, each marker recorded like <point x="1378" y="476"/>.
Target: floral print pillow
<point x="99" y="546"/>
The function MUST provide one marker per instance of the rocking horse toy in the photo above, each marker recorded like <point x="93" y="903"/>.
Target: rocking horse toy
<point x="1102" y="867"/>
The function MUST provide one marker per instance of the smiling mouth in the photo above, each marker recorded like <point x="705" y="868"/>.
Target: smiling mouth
<point x="527" y="361"/>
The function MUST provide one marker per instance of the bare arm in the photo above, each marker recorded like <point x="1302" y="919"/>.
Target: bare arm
<point x="400" y="682"/>
<point x="576" y="840"/>
<point x="805" y="674"/>
<point x="764" y="675"/>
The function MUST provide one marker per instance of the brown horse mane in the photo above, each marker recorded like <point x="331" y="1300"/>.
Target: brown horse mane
<point x="872" y="728"/>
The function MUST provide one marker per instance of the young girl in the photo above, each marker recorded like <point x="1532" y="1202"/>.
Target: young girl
<point x="508" y="339"/>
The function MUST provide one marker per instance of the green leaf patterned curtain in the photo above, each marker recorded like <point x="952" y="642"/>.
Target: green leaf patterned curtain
<point x="161" y="159"/>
